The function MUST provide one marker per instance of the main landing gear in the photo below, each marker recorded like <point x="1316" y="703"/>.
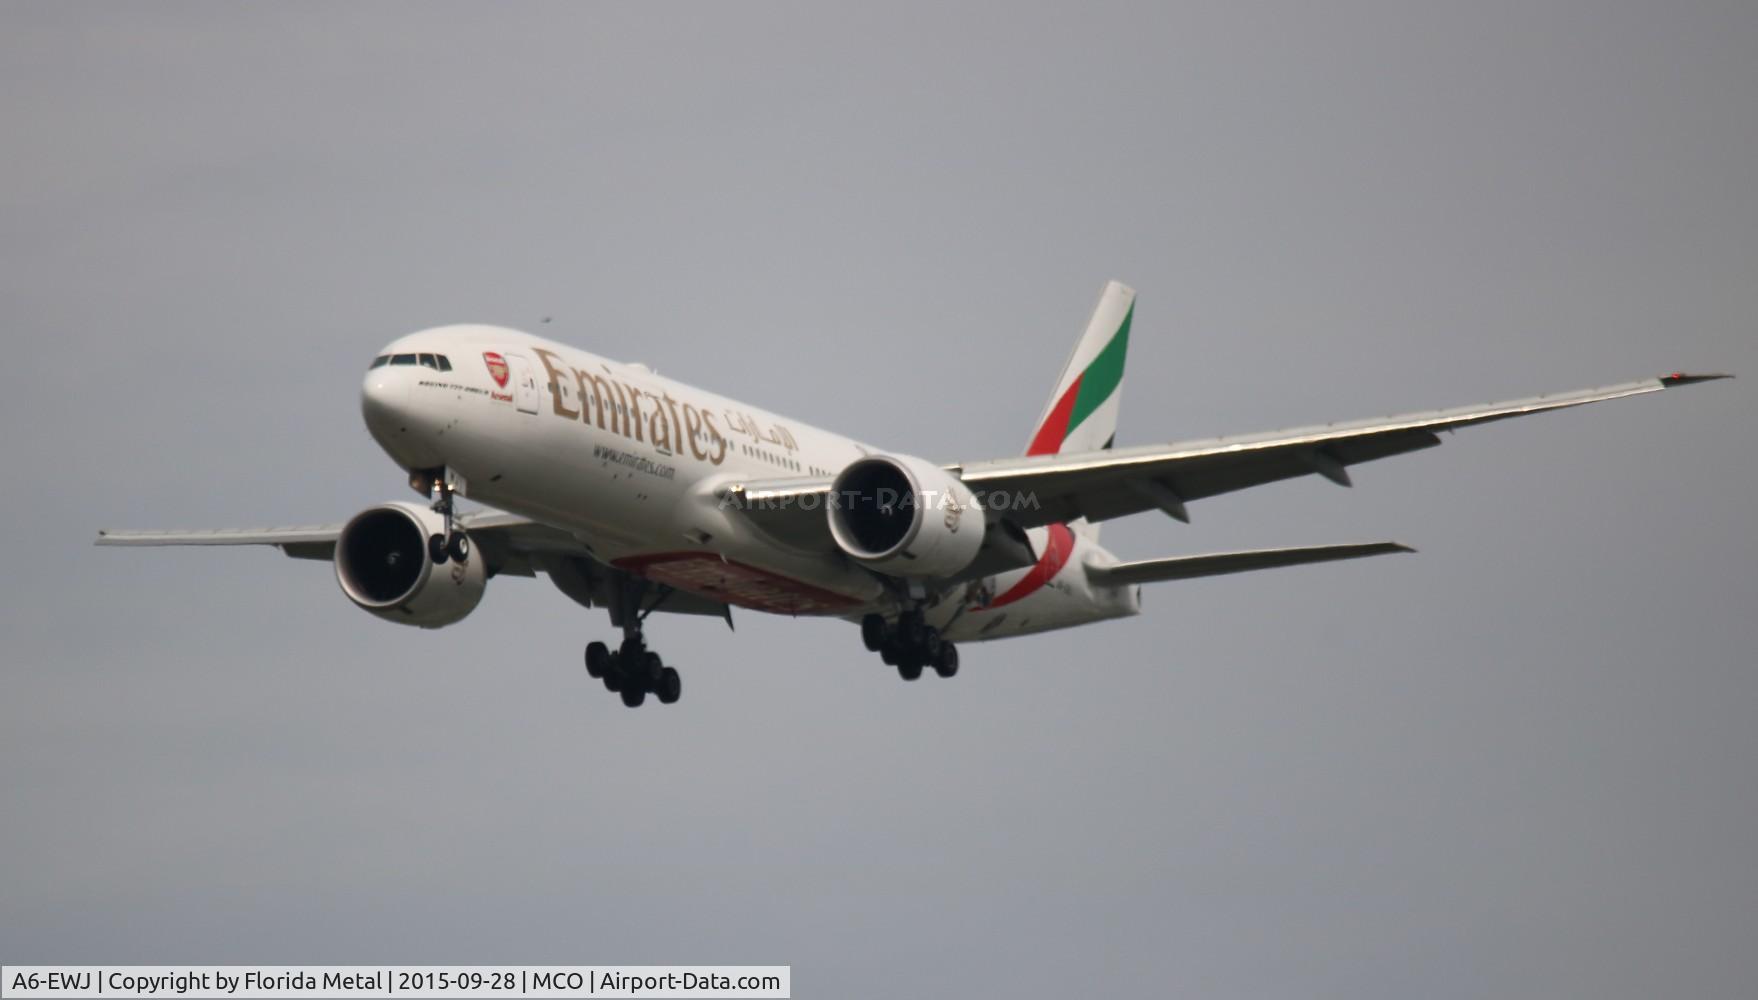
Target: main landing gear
<point x="632" y="670"/>
<point x="909" y="644"/>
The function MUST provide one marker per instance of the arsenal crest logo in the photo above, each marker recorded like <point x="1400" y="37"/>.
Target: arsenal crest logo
<point x="497" y="367"/>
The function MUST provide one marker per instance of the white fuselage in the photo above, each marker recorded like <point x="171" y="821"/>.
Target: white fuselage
<point x="632" y="464"/>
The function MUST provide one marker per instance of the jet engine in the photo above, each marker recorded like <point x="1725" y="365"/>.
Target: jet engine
<point x="905" y="517"/>
<point x="383" y="566"/>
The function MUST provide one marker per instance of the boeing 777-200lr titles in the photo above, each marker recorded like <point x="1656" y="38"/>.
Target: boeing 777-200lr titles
<point x="638" y="494"/>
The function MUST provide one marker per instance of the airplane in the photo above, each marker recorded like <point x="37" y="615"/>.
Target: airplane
<point x="636" y="493"/>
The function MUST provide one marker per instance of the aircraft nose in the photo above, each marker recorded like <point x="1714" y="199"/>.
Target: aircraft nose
<point x="384" y="398"/>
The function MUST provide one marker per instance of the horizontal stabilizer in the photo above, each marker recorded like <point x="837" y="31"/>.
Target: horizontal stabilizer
<point x="1188" y="567"/>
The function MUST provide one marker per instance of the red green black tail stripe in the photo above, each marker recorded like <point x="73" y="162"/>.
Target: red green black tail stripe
<point x="1086" y="393"/>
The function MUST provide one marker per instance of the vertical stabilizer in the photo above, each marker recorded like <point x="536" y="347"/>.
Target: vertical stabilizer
<point x="1082" y="412"/>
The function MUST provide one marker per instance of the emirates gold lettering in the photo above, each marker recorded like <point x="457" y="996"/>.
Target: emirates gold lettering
<point x="660" y="432"/>
<point x="693" y="431"/>
<point x="667" y="423"/>
<point x="714" y="434"/>
<point x="555" y="383"/>
<point x="672" y="405"/>
<point x="634" y="404"/>
<point x="602" y="400"/>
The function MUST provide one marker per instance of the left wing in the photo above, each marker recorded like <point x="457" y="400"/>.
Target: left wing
<point x="1100" y="485"/>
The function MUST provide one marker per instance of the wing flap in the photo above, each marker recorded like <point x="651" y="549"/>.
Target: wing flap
<point x="1220" y="563"/>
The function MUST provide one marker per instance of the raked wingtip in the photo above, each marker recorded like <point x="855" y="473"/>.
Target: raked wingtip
<point x="1680" y="378"/>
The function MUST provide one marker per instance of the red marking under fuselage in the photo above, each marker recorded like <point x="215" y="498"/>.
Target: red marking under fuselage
<point x="1056" y="553"/>
<point x="717" y="579"/>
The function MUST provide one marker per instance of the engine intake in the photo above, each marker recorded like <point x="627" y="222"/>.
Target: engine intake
<point x="905" y="516"/>
<point x="383" y="566"/>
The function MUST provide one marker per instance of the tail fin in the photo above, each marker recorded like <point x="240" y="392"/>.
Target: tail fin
<point x="1082" y="412"/>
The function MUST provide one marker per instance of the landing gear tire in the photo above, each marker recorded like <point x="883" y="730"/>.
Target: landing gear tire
<point x="436" y="549"/>
<point x="630" y="669"/>
<point x="912" y="628"/>
<point x="459" y="547"/>
<point x="873" y="633"/>
<point x="633" y="671"/>
<point x="910" y="644"/>
<point x="597" y="659"/>
<point x="946" y="661"/>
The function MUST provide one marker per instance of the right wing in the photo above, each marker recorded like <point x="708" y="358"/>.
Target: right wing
<point x="315" y="541"/>
<point x="507" y="543"/>
<point x="1190" y="567"/>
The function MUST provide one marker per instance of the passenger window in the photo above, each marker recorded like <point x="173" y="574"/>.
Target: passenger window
<point x="444" y="365"/>
<point x="403" y="359"/>
<point x="381" y="361"/>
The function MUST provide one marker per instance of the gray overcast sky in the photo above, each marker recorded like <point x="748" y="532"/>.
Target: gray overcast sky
<point x="1519" y="763"/>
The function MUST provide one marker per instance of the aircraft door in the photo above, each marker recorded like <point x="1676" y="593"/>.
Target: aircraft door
<point x="524" y="384"/>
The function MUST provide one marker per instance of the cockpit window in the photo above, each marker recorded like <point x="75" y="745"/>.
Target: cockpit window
<point x="437" y="362"/>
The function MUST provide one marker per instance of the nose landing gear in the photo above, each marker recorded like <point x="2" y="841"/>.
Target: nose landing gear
<point x="456" y="550"/>
<point x="451" y="544"/>
<point x="909" y="644"/>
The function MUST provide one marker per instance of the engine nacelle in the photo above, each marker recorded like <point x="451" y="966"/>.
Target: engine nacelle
<point x="905" y="517"/>
<point x="383" y="566"/>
